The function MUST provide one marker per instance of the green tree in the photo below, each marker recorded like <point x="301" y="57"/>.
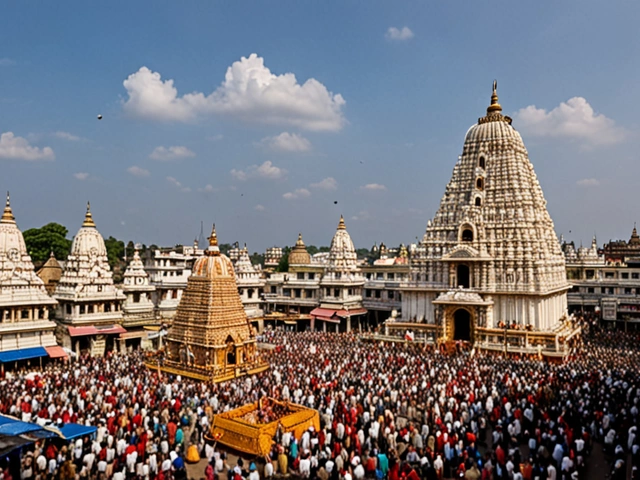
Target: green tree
<point x="115" y="251"/>
<point x="283" y="264"/>
<point x="130" y="249"/>
<point x="257" y="259"/>
<point x="324" y="249"/>
<point x="42" y="241"/>
<point x="224" y="248"/>
<point x="362" y="252"/>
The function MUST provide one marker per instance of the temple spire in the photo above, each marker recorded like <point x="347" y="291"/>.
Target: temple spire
<point x="213" y="242"/>
<point x="341" y="225"/>
<point x="88" y="218"/>
<point x="7" y="215"/>
<point x="495" y="106"/>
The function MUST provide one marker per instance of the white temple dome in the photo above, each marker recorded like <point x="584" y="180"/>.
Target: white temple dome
<point x="88" y="241"/>
<point x="12" y="244"/>
<point x="16" y="267"/>
<point x="214" y="264"/>
<point x="342" y="254"/>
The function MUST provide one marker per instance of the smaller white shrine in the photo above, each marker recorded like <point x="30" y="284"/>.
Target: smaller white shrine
<point x="25" y="329"/>
<point x="89" y="312"/>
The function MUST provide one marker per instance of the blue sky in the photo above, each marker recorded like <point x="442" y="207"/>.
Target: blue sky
<point x="374" y="119"/>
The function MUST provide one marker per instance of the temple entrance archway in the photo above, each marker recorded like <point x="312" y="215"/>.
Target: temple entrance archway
<point x="462" y="275"/>
<point x="462" y="325"/>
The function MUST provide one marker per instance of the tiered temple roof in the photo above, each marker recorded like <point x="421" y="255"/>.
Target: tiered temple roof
<point x="299" y="254"/>
<point x="211" y="336"/>
<point x="24" y="302"/>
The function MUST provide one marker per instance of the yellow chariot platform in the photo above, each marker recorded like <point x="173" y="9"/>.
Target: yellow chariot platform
<point x="252" y="428"/>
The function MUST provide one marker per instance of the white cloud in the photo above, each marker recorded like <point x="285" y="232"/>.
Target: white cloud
<point x="7" y="62"/>
<point x="208" y="189"/>
<point x="165" y="154"/>
<point x="362" y="215"/>
<point x="81" y="176"/>
<point x="18" y="148"/>
<point x="267" y="170"/>
<point x="372" y="187"/>
<point x="67" y="136"/>
<point x="138" y="171"/>
<point x="588" y="182"/>
<point x="260" y="208"/>
<point x="178" y="185"/>
<point x="573" y="119"/>
<point x="328" y="183"/>
<point x="298" y="193"/>
<point x="400" y="34"/>
<point x="250" y="92"/>
<point x="286" y="142"/>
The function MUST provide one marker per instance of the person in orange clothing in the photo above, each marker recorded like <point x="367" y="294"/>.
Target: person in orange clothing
<point x="526" y="469"/>
<point x="171" y="432"/>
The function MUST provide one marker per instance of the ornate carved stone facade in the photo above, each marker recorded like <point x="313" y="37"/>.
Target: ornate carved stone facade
<point x="211" y="337"/>
<point x="89" y="312"/>
<point x="138" y="308"/>
<point x="24" y="302"/>
<point x="491" y="237"/>
<point x="341" y="285"/>
<point x="250" y="284"/>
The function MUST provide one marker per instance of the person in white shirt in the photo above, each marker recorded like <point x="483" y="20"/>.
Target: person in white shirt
<point x="305" y="467"/>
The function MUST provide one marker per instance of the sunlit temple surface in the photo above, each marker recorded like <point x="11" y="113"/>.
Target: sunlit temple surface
<point x="89" y="312"/>
<point x="490" y="269"/>
<point x="25" y="329"/>
<point x="211" y="337"/>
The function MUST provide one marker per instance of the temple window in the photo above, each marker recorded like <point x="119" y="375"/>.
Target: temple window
<point x="298" y="293"/>
<point x="481" y="162"/>
<point x="328" y="292"/>
<point x="377" y="293"/>
<point x="390" y="294"/>
<point x="390" y="276"/>
<point x="250" y="292"/>
<point x="367" y="293"/>
<point x="286" y="292"/>
<point x="90" y="309"/>
<point x="634" y="275"/>
<point x="83" y="309"/>
<point x="478" y="202"/>
<point x="312" y="276"/>
<point x="107" y="307"/>
<point x="480" y="183"/>
<point x="336" y="292"/>
<point x="300" y="276"/>
<point x="68" y="308"/>
<point x="136" y="298"/>
<point x="24" y="314"/>
<point x="274" y="289"/>
<point x="467" y="235"/>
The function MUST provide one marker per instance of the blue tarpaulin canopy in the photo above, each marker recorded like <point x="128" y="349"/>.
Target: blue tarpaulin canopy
<point x="22" y="354"/>
<point x="75" y="430"/>
<point x="10" y="426"/>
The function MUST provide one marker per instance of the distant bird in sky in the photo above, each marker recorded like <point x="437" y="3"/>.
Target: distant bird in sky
<point x="335" y="202"/>
<point x="99" y="117"/>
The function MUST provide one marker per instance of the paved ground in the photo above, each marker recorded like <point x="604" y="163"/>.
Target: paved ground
<point x="597" y="466"/>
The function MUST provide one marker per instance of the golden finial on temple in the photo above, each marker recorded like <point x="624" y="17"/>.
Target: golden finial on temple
<point x="341" y="225"/>
<point x="495" y="106"/>
<point x="7" y="216"/>
<point x="213" y="239"/>
<point x="213" y="242"/>
<point x="88" y="218"/>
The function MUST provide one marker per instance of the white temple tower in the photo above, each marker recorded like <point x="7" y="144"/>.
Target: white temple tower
<point x="25" y="329"/>
<point x="138" y="308"/>
<point x="490" y="256"/>
<point x="341" y="286"/>
<point x="89" y="313"/>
